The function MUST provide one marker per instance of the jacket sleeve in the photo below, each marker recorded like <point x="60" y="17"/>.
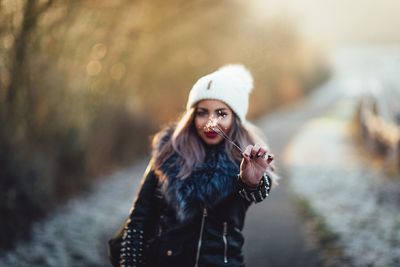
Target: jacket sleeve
<point x="139" y="223"/>
<point x="256" y="194"/>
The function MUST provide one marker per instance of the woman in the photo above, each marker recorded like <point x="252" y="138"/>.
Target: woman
<point x="199" y="184"/>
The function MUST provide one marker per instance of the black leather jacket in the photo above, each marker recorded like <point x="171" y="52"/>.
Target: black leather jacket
<point x="152" y="237"/>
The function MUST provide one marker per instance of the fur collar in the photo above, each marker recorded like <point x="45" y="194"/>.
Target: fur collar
<point x="210" y="182"/>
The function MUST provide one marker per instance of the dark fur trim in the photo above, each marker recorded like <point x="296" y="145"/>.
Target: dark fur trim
<point x="209" y="183"/>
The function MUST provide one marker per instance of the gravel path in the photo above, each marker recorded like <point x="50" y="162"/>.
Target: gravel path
<point x="358" y="203"/>
<point x="274" y="231"/>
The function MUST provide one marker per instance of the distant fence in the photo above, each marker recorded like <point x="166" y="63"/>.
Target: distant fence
<point x="379" y="120"/>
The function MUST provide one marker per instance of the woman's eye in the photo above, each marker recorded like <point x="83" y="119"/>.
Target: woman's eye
<point x="201" y="113"/>
<point x="222" y="114"/>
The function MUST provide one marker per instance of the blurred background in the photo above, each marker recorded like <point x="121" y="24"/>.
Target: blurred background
<point x="84" y="85"/>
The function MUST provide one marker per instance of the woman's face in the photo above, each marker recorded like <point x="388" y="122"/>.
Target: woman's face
<point x="212" y="111"/>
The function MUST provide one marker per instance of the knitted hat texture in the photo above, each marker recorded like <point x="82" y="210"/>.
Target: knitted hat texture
<point x="231" y="84"/>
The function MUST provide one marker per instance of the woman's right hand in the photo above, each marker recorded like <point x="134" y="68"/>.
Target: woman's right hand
<point x="255" y="162"/>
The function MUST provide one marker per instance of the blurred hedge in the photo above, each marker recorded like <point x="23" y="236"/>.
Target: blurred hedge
<point x="84" y="83"/>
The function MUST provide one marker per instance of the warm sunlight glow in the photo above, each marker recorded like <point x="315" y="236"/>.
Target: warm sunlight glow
<point x="338" y="21"/>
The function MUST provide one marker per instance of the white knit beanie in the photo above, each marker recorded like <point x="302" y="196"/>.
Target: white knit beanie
<point x="230" y="84"/>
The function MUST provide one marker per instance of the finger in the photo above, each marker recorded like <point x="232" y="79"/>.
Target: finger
<point x="246" y="159"/>
<point x="255" y="150"/>
<point x="262" y="152"/>
<point x="247" y="151"/>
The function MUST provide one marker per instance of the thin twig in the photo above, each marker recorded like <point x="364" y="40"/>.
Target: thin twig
<point x="222" y="134"/>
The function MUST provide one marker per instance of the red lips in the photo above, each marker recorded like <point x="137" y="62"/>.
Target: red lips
<point x="211" y="135"/>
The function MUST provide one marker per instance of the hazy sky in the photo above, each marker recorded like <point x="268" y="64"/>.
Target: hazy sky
<point x="338" y="21"/>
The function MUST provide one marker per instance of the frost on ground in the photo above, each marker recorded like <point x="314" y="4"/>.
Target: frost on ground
<point x="356" y="202"/>
<point x="76" y="234"/>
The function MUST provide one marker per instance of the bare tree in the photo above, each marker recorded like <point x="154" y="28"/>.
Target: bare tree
<point x="18" y="72"/>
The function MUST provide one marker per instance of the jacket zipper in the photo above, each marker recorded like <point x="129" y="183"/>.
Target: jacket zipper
<point x="159" y="231"/>
<point x="159" y="226"/>
<point x="225" y="242"/>
<point x="200" y="236"/>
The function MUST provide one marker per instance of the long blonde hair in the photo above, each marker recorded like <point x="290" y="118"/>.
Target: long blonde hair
<point x="182" y="139"/>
